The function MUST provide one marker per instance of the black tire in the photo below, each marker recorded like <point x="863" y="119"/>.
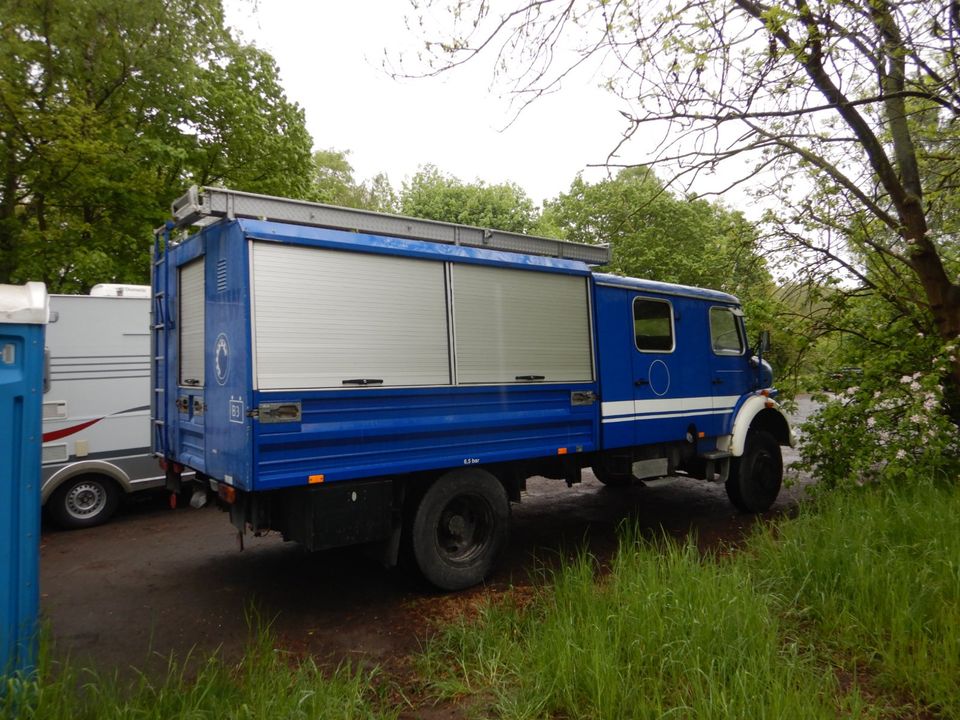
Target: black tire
<point x="84" y="501"/>
<point x="460" y="526"/>
<point x="755" y="477"/>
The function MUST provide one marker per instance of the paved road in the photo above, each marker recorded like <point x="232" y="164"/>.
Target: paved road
<point x="157" y="581"/>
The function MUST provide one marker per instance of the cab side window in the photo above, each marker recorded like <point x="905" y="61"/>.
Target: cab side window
<point x="653" y="325"/>
<point x="726" y="331"/>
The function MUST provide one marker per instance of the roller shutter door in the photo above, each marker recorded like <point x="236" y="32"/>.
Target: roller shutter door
<point x="323" y="318"/>
<point x="191" y="310"/>
<point x="517" y="325"/>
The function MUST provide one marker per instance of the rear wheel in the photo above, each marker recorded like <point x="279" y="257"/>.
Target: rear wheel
<point x="606" y="473"/>
<point x="84" y="501"/>
<point x="755" y="477"/>
<point x="459" y="527"/>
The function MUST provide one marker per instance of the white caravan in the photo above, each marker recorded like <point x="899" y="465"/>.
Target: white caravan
<point x="96" y="410"/>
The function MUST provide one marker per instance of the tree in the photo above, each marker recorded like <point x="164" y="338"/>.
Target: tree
<point x="108" y="110"/>
<point x="657" y="235"/>
<point x="434" y="195"/>
<point x="849" y="107"/>
<point x="333" y="184"/>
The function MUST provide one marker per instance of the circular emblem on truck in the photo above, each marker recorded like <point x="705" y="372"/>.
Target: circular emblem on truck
<point x="221" y="352"/>
<point x="659" y="378"/>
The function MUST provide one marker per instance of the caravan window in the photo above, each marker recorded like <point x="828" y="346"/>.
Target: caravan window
<point x="653" y="325"/>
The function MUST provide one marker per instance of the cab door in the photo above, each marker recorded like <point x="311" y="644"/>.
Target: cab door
<point x="657" y="380"/>
<point x="730" y="373"/>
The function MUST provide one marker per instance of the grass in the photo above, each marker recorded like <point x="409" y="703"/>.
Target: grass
<point x="851" y="610"/>
<point x="664" y="635"/>
<point x="266" y="683"/>
<point x="874" y="575"/>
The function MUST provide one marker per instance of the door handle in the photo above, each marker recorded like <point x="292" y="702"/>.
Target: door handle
<point x="717" y="381"/>
<point x="640" y="382"/>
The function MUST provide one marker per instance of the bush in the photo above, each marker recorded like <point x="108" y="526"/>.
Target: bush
<point x="892" y="426"/>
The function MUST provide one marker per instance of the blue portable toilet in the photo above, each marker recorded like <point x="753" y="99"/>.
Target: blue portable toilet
<point x="24" y="311"/>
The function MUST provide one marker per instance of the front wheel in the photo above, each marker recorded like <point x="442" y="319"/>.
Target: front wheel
<point x="84" y="501"/>
<point x="459" y="527"/>
<point x="755" y="477"/>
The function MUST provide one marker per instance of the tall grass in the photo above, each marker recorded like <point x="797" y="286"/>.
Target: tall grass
<point x="665" y="635"/>
<point x="264" y="684"/>
<point x="875" y="576"/>
<point x="851" y="610"/>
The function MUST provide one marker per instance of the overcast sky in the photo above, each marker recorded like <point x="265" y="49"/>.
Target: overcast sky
<point x="330" y="56"/>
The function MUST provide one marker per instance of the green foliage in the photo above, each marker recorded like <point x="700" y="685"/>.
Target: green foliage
<point x="266" y="683"/>
<point x="892" y="426"/>
<point x="845" y="113"/>
<point x="108" y="110"/>
<point x="333" y="183"/>
<point x="848" y="611"/>
<point x="248" y="135"/>
<point x="665" y="634"/>
<point x="436" y="196"/>
<point x="657" y="235"/>
<point x="873" y="576"/>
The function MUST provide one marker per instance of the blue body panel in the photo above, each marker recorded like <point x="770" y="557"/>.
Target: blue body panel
<point x="21" y="391"/>
<point x="345" y="435"/>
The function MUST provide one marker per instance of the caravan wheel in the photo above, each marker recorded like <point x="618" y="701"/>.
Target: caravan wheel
<point x="84" y="501"/>
<point x="459" y="527"/>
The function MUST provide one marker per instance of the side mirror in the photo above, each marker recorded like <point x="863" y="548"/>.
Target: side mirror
<point x="763" y="344"/>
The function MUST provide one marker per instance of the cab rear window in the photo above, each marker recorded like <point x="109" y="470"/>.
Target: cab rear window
<point x="653" y="325"/>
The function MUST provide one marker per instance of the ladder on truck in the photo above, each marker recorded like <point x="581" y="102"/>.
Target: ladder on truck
<point x="159" y="312"/>
<point x="207" y="205"/>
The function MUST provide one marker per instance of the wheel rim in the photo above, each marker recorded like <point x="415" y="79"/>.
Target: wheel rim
<point x="765" y="473"/>
<point x="85" y="500"/>
<point x="464" y="529"/>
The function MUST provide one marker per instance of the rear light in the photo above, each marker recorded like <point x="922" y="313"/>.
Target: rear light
<point x="167" y="465"/>
<point x="227" y="493"/>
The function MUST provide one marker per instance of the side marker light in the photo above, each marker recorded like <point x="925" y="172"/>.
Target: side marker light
<point x="227" y="493"/>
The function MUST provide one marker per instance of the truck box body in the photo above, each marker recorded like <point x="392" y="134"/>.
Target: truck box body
<point x="394" y="380"/>
<point x="440" y="335"/>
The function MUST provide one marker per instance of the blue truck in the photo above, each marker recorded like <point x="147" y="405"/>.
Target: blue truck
<point x="348" y="377"/>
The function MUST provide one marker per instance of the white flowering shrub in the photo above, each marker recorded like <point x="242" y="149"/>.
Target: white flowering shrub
<point x="891" y="427"/>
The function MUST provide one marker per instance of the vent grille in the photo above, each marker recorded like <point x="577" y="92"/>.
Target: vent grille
<point x="221" y="275"/>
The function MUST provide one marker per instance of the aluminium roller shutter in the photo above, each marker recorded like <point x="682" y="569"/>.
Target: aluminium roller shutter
<point x="191" y="310"/>
<point x="512" y="325"/>
<point x="322" y="317"/>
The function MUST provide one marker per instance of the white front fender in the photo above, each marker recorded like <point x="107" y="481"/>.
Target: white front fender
<point x="753" y="406"/>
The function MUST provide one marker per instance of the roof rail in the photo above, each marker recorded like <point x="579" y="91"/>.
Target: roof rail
<point x="203" y="206"/>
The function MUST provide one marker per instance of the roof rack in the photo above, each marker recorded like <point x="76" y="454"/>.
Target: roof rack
<point x="204" y="206"/>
